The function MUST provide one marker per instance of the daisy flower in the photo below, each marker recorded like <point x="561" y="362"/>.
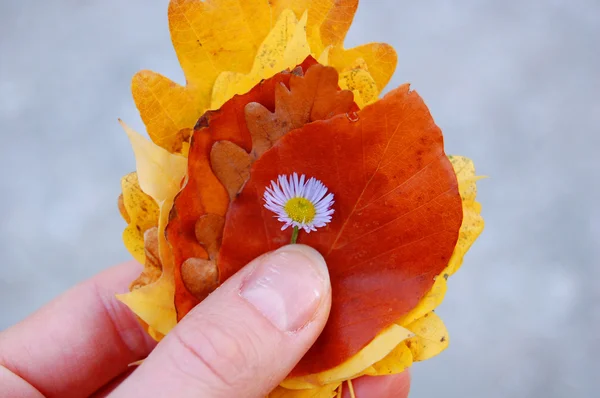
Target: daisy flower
<point x="299" y="203"/>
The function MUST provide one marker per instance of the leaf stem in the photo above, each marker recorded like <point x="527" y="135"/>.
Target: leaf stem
<point x="294" y="235"/>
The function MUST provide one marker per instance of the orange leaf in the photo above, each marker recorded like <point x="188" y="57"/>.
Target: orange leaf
<point x="315" y="96"/>
<point x="231" y="165"/>
<point x="397" y="216"/>
<point x="203" y="194"/>
<point x="229" y="140"/>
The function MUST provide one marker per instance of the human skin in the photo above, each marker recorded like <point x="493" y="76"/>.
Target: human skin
<point x="241" y="341"/>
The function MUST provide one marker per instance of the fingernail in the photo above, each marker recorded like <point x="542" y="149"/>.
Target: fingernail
<point x="288" y="286"/>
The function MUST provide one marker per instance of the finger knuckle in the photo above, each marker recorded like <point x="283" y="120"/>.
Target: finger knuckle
<point x="219" y="353"/>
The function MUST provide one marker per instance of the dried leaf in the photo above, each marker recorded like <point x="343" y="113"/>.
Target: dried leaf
<point x="153" y="303"/>
<point x="217" y="41"/>
<point x="166" y="108"/>
<point x="380" y="58"/>
<point x="297" y="48"/>
<point x="122" y="209"/>
<point x="142" y="212"/>
<point x="431" y="301"/>
<point x="309" y="98"/>
<point x="152" y="266"/>
<point x="378" y="349"/>
<point x="231" y="165"/>
<point x="209" y="232"/>
<point x="284" y="48"/>
<point x="470" y="229"/>
<point x="201" y="194"/>
<point x="327" y="26"/>
<point x="395" y="362"/>
<point x="200" y="277"/>
<point x="328" y="20"/>
<point x="398" y="212"/>
<point x="228" y="125"/>
<point x="159" y="172"/>
<point x="315" y="96"/>
<point x="360" y="82"/>
<point x="473" y="223"/>
<point x="431" y="337"/>
<point x="328" y="391"/>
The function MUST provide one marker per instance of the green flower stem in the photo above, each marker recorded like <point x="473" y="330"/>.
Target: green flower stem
<point x="294" y="235"/>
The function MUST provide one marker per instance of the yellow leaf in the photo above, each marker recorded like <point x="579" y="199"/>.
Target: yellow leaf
<point x="283" y="48"/>
<point x="209" y="37"/>
<point x="328" y="391"/>
<point x="134" y="243"/>
<point x="431" y="301"/>
<point x="221" y="39"/>
<point x="470" y="229"/>
<point x="160" y="172"/>
<point x="360" y="82"/>
<point x="327" y="26"/>
<point x="166" y="108"/>
<point x="141" y="208"/>
<point x="156" y="335"/>
<point x="375" y="351"/>
<point x="323" y="59"/>
<point x="395" y="362"/>
<point x="142" y="211"/>
<point x="334" y="24"/>
<point x="380" y="58"/>
<point x="154" y="303"/>
<point x="216" y="35"/>
<point x="431" y="337"/>
<point x="473" y="223"/>
<point x="297" y="48"/>
<point x="328" y="20"/>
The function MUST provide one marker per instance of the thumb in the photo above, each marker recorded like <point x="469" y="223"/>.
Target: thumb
<point x="244" y="338"/>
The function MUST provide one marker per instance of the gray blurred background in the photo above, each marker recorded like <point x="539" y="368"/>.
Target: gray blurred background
<point x="515" y="85"/>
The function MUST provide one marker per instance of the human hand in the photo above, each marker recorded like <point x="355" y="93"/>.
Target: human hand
<point x="241" y="341"/>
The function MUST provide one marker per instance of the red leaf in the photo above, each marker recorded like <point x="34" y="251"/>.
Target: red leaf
<point x="396" y="222"/>
<point x="203" y="194"/>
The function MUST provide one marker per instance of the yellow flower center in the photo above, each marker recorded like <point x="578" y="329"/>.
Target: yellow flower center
<point x="300" y="210"/>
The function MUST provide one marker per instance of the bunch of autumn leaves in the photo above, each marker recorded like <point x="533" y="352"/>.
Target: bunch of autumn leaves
<point x="405" y="212"/>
